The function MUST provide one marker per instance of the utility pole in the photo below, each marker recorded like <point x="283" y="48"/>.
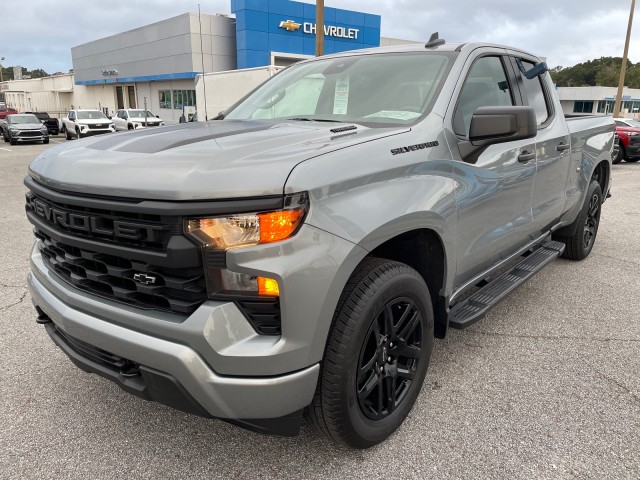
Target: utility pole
<point x="320" y="28"/>
<point x="1" y="68"/>
<point x="623" y="69"/>
<point x="145" y="112"/>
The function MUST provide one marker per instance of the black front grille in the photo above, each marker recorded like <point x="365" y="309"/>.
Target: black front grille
<point x="98" y="126"/>
<point x="121" y="228"/>
<point x="30" y="133"/>
<point x="176" y="290"/>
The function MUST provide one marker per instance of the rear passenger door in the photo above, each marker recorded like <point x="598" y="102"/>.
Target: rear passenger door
<point x="553" y="155"/>
<point x="494" y="190"/>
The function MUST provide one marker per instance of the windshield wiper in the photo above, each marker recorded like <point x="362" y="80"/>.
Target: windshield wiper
<point x="306" y="119"/>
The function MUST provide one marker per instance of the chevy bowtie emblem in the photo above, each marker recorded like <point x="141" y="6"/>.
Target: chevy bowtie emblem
<point x="144" y="279"/>
<point x="290" y="25"/>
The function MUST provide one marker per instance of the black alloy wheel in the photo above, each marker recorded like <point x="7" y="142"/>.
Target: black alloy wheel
<point x="591" y="222"/>
<point x="376" y="356"/>
<point x="580" y="236"/>
<point x="389" y="357"/>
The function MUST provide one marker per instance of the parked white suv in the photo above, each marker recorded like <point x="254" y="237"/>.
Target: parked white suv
<point x="80" y="123"/>
<point x="131" y="118"/>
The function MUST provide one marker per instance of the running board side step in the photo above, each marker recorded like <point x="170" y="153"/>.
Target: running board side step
<point x="469" y="311"/>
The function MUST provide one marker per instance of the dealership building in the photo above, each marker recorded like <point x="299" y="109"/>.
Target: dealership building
<point x="158" y="64"/>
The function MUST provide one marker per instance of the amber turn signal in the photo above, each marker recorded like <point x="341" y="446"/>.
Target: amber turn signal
<point x="268" y="286"/>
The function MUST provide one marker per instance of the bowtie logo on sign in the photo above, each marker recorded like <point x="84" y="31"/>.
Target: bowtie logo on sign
<point x="289" y="25"/>
<point x="329" y="30"/>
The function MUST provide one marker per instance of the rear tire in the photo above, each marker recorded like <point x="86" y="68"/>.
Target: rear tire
<point x="585" y="228"/>
<point x="376" y="356"/>
<point x="620" y="156"/>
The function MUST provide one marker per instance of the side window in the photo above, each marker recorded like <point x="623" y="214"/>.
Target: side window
<point x="534" y="94"/>
<point x="486" y="86"/>
<point x="72" y="116"/>
<point x="620" y="124"/>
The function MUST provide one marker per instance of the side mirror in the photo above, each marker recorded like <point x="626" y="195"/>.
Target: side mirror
<point x="493" y="125"/>
<point x="109" y="117"/>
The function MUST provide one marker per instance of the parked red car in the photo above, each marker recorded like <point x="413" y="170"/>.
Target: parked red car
<point x="629" y="132"/>
<point x="4" y="111"/>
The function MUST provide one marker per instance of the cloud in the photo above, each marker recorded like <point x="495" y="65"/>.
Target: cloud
<point x="565" y="31"/>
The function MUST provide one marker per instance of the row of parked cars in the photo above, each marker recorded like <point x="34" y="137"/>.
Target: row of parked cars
<point x="37" y="126"/>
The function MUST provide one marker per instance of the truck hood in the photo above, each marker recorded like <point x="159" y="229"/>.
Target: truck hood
<point x="195" y="161"/>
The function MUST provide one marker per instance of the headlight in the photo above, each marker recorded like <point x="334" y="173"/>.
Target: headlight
<point x="216" y="235"/>
<point x="14" y="131"/>
<point x="250" y="228"/>
<point x="44" y="130"/>
<point x="632" y="134"/>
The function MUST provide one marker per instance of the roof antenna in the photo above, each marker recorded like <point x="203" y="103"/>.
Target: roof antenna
<point x="434" y="41"/>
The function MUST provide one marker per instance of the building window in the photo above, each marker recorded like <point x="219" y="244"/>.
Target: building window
<point x="184" y="98"/>
<point x="583" y="106"/>
<point x="605" y="106"/>
<point x="165" y="98"/>
<point x="177" y="98"/>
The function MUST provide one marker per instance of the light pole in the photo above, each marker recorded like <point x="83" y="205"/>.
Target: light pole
<point x="623" y="68"/>
<point x="1" y="67"/>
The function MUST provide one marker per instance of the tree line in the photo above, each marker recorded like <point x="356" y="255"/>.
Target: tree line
<point x="602" y="72"/>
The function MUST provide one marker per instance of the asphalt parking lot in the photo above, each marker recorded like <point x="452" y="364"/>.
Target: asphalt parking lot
<point x="546" y="386"/>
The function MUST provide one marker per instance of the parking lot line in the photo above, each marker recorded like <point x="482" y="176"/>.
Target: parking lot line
<point x="5" y="149"/>
<point x="55" y="141"/>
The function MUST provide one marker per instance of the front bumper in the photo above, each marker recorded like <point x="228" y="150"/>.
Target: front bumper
<point x="208" y="393"/>
<point x="633" y="147"/>
<point x="34" y="138"/>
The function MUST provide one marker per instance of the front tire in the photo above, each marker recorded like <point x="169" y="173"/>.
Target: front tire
<point x="78" y="134"/>
<point x="632" y="160"/>
<point x="12" y="141"/>
<point x="376" y="356"/>
<point x="585" y="228"/>
<point x="67" y="135"/>
<point x="45" y="141"/>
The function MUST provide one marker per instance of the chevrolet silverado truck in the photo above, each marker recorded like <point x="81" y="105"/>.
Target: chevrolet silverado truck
<point x="82" y="123"/>
<point x="299" y="254"/>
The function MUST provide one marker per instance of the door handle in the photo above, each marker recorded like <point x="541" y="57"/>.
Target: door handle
<point x="526" y="157"/>
<point x="563" y="146"/>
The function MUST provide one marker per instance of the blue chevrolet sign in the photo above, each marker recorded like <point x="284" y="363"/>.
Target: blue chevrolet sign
<point x="264" y="27"/>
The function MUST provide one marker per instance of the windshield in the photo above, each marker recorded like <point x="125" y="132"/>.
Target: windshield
<point x="140" y="114"/>
<point x="632" y="123"/>
<point x="23" y="119"/>
<point x="42" y="115"/>
<point x="372" y="89"/>
<point x="91" y="115"/>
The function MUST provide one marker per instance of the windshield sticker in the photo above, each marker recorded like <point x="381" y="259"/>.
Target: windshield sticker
<point x="341" y="97"/>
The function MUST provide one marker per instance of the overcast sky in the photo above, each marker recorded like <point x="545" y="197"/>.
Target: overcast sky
<point x="40" y="34"/>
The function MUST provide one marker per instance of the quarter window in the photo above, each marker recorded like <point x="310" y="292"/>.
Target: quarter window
<point x="582" y="107"/>
<point x="534" y="94"/>
<point x="486" y="86"/>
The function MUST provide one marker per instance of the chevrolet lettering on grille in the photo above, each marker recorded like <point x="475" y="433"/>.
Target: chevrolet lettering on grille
<point x="96" y="224"/>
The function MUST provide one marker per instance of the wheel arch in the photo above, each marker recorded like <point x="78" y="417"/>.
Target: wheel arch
<point x="423" y="250"/>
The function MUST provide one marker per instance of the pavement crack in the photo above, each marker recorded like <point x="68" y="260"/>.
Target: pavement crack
<point x="621" y="386"/>
<point x="22" y="297"/>
<point x="558" y="337"/>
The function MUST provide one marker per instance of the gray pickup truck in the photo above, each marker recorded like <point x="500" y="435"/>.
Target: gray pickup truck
<point x="299" y="254"/>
